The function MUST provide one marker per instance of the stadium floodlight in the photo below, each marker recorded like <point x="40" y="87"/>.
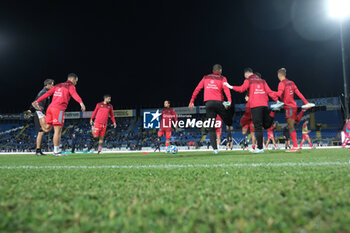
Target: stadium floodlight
<point x="340" y="9"/>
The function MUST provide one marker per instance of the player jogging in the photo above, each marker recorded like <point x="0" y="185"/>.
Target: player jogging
<point x="286" y="91"/>
<point x="102" y="112"/>
<point x="270" y="136"/>
<point x="62" y="93"/>
<point x="306" y="132"/>
<point x="213" y="85"/>
<point x="39" y="116"/>
<point x="258" y="99"/>
<point x="346" y="133"/>
<point x="166" y="124"/>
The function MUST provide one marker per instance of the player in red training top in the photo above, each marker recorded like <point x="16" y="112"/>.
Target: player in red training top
<point x="247" y="123"/>
<point x="218" y="130"/>
<point x="306" y="132"/>
<point x="270" y="136"/>
<point x="167" y="122"/>
<point x="213" y="85"/>
<point x="102" y="112"/>
<point x="259" y="93"/>
<point x="286" y="91"/>
<point x="346" y="133"/>
<point x="55" y="112"/>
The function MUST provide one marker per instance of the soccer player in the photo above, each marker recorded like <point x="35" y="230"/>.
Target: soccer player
<point x="102" y="112"/>
<point x="286" y="91"/>
<point x="213" y="85"/>
<point x="229" y="143"/>
<point x="247" y="123"/>
<point x="62" y="93"/>
<point x="218" y="130"/>
<point x="168" y="117"/>
<point x="306" y="132"/>
<point x="270" y="135"/>
<point x="346" y="133"/>
<point x="40" y="115"/>
<point x="258" y="98"/>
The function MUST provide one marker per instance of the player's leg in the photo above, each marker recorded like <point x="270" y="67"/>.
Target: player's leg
<point x="274" y="142"/>
<point x="308" y="138"/>
<point x="267" y="143"/>
<point x="39" y="139"/>
<point x="57" y="122"/>
<point x="257" y="116"/>
<point x="291" y="116"/>
<point x="101" y="137"/>
<point x="269" y="116"/>
<point x="252" y="134"/>
<point x="211" y="113"/>
<point x="167" y="137"/>
<point x="100" y="144"/>
<point x="45" y="122"/>
<point x="57" y="139"/>
<point x="301" y="143"/>
<point x="40" y="135"/>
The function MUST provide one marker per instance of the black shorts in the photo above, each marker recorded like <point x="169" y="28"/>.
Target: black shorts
<point x="37" y="123"/>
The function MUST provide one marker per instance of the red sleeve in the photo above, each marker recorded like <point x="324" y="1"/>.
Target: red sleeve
<point x="47" y="94"/>
<point x="296" y="91"/>
<point x="272" y="94"/>
<point x="74" y="94"/>
<point x="95" y="111"/>
<point x="243" y="88"/>
<point x="280" y="91"/>
<point x="227" y="91"/>
<point x="111" y="114"/>
<point x="197" y="90"/>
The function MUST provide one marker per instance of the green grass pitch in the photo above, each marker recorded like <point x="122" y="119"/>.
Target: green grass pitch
<point x="308" y="191"/>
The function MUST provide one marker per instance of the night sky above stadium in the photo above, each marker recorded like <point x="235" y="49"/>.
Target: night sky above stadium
<point x="143" y="52"/>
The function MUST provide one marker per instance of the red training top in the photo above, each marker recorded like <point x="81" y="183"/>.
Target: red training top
<point x="168" y="116"/>
<point x="61" y="95"/>
<point x="213" y="85"/>
<point x="286" y="90"/>
<point x="102" y="112"/>
<point x="258" y="91"/>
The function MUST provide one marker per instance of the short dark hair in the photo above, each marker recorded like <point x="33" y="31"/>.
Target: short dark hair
<point x="257" y="74"/>
<point x="217" y="67"/>
<point x="282" y="71"/>
<point x="72" y="75"/>
<point x="48" y="81"/>
<point x="250" y="70"/>
<point x="106" y="96"/>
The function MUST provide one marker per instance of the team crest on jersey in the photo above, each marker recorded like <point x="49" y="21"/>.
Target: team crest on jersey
<point x="211" y="81"/>
<point x="151" y="120"/>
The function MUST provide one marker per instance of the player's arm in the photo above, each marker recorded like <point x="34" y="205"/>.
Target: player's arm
<point x="227" y="91"/>
<point x="94" y="114"/>
<point x="296" y="91"/>
<point x="280" y="90"/>
<point x="35" y="104"/>
<point x="76" y="97"/>
<point x="199" y="87"/>
<point x="270" y="93"/>
<point x="243" y="87"/>
<point x="111" y="115"/>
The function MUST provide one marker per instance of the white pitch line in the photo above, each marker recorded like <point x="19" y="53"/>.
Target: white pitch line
<point x="167" y="166"/>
